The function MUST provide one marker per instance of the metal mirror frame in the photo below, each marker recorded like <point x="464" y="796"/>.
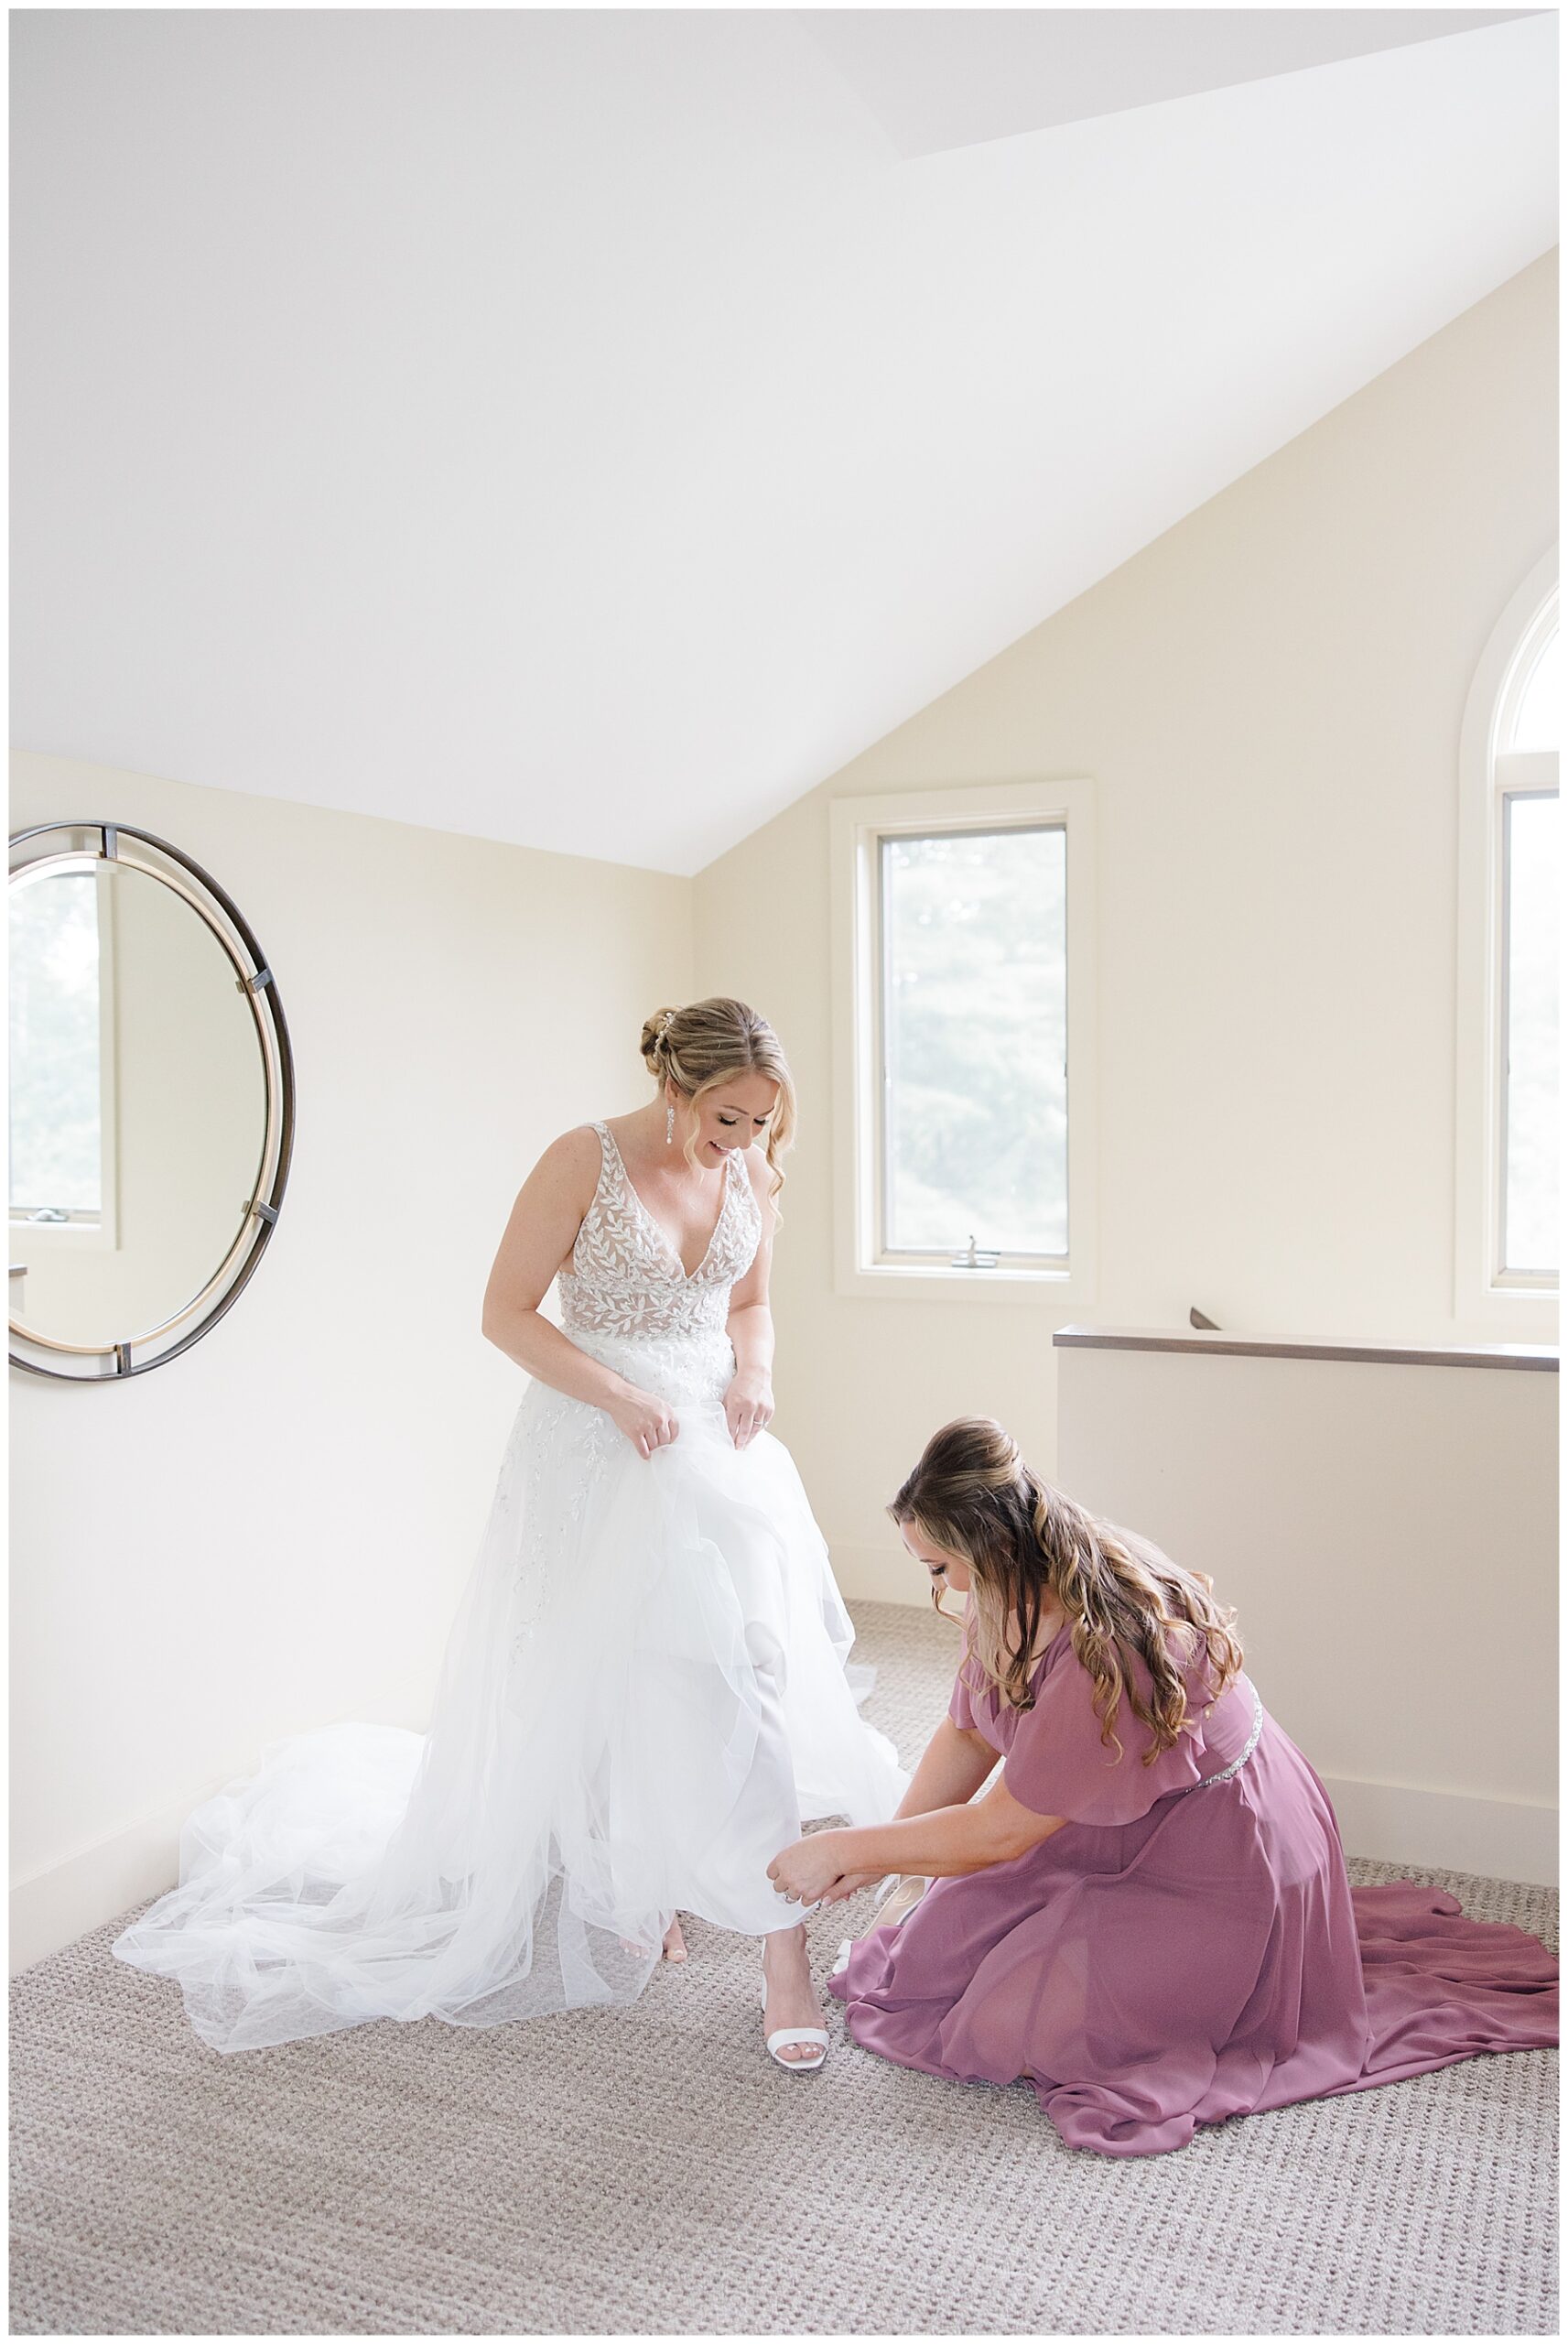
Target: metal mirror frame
<point x="68" y="846"/>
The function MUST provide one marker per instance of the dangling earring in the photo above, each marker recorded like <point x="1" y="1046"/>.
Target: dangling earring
<point x="669" y="1126"/>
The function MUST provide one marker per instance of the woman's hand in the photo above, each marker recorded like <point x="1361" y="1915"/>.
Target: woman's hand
<point x="849" y="1883"/>
<point x="812" y="1869"/>
<point x="648" y="1422"/>
<point x="749" y="1405"/>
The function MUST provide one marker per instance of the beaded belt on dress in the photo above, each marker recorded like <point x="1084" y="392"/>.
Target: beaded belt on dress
<point x="1236" y="1763"/>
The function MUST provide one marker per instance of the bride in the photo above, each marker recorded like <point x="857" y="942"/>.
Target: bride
<point x="643" y="1694"/>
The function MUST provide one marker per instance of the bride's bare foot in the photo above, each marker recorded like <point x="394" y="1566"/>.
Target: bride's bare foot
<point x="791" y="1996"/>
<point x="672" y="1950"/>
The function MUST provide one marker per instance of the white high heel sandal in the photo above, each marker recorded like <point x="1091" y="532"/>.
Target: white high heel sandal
<point x="906" y="1891"/>
<point x="781" y="2034"/>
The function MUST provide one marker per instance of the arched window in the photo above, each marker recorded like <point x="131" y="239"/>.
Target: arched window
<point x="1510" y="878"/>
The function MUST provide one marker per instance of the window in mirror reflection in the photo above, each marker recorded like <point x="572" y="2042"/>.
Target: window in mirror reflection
<point x="138" y="1103"/>
<point x="57" y="1121"/>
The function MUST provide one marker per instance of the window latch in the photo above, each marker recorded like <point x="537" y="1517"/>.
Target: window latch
<point x="973" y="1260"/>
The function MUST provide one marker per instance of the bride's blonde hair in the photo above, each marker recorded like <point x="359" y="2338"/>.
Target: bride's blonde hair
<point x="972" y="1495"/>
<point x="709" y="1042"/>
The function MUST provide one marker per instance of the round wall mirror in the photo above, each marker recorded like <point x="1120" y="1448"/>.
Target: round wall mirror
<point x="151" y="1102"/>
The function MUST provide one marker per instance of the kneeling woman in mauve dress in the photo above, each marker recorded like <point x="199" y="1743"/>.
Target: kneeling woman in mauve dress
<point x="1148" y="1916"/>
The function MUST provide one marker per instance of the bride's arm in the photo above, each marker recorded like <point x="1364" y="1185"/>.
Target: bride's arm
<point x="748" y="1402"/>
<point x="537" y="1239"/>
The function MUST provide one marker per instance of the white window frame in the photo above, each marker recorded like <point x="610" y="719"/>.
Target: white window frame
<point x="1518" y="1304"/>
<point x="100" y="1234"/>
<point x="858" y="827"/>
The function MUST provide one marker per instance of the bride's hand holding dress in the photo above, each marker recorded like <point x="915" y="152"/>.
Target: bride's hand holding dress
<point x="749" y="1406"/>
<point x="648" y="1422"/>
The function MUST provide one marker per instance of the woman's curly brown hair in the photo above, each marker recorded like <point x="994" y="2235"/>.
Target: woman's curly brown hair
<point x="973" y="1496"/>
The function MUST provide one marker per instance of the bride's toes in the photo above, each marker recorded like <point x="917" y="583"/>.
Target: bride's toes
<point x="810" y="2053"/>
<point x="675" y="1944"/>
<point x="790" y="2007"/>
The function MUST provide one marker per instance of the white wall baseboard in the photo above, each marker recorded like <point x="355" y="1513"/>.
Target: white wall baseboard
<point x="57" y="1906"/>
<point x="1398" y="1823"/>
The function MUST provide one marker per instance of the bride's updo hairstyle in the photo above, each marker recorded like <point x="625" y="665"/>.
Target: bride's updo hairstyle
<point x="709" y="1042"/>
<point x="972" y="1495"/>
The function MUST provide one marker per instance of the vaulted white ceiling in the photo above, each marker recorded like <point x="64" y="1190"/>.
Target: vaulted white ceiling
<point x="939" y="78"/>
<point x="590" y="430"/>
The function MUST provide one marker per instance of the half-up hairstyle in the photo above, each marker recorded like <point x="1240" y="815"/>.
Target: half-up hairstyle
<point x="709" y="1042"/>
<point x="972" y="1495"/>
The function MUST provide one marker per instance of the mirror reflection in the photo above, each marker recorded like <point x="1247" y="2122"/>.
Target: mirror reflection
<point x="138" y="1103"/>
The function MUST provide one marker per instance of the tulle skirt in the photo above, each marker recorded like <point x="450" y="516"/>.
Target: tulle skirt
<point x="643" y="1695"/>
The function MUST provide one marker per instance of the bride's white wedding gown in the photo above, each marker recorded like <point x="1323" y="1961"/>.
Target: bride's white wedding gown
<point x="643" y="1697"/>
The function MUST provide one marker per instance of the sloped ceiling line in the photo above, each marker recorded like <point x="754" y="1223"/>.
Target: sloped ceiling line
<point x="579" y="428"/>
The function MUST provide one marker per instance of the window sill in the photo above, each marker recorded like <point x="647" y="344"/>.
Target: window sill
<point x="64" y="1236"/>
<point x="902" y="1282"/>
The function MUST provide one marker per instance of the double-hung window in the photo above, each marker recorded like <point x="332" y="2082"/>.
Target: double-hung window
<point x="962" y="974"/>
<point x="1510" y="879"/>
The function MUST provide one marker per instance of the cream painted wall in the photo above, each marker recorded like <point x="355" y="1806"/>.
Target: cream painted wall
<point x="1343" y="1506"/>
<point x="1268" y="700"/>
<point x="272" y="1531"/>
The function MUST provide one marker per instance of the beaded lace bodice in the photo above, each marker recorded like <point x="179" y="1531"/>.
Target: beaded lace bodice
<point x="624" y="1278"/>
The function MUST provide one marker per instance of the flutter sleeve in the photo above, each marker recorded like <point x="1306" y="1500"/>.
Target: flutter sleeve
<point x="960" y="1709"/>
<point x="1059" y="1765"/>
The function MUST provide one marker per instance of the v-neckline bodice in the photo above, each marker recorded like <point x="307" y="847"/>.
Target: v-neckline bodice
<point x="625" y="1279"/>
<point x="660" y="1233"/>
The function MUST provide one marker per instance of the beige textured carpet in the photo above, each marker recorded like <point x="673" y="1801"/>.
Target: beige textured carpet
<point x="649" y="2171"/>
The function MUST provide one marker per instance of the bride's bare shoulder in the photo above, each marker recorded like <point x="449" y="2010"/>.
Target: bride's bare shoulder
<point x="569" y="1167"/>
<point x="581" y="1143"/>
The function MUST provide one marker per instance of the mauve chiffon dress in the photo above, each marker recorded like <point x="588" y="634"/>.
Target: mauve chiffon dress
<point x="1188" y="1947"/>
